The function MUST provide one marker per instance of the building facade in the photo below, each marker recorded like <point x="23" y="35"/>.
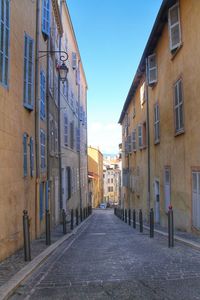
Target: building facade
<point x="160" y="120"/>
<point x="95" y="173"/>
<point x="31" y="114"/>
<point x="112" y="180"/>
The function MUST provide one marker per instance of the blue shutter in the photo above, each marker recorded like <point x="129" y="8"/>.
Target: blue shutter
<point x="78" y="139"/>
<point x="41" y="200"/>
<point x="28" y="72"/>
<point x="4" y="40"/>
<point x="42" y="95"/>
<point x="31" y="157"/>
<point x="47" y="195"/>
<point x="46" y="17"/>
<point x="25" y="154"/>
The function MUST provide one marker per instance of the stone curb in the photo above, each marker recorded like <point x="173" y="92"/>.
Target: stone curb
<point x="8" y="288"/>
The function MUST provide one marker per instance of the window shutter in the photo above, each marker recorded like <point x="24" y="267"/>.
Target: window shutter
<point x="46" y="17"/>
<point x="134" y="140"/>
<point x="72" y="135"/>
<point x="140" y="136"/>
<point x="142" y="93"/>
<point x="74" y="60"/>
<point x="129" y="144"/>
<point x="78" y="139"/>
<point x="42" y="95"/>
<point x="178" y="106"/>
<point x="25" y="154"/>
<point x="31" y="157"/>
<point x="42" y="148"/>
<point x="152" y="69"/>
<point x="174" y="27"/>
<point x="65" y="129"/>
<point x="28" y="72"/>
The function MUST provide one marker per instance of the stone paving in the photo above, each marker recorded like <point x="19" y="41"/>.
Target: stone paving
<point x="11" y="265"/>
<point x="108" y="259"/>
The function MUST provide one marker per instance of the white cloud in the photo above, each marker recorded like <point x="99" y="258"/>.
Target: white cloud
<point x="106" y="137"/>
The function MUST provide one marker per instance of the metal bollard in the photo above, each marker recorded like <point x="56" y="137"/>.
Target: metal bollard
<point x="122" y="214"/>
<point x="64" y="222"/>
<point x="125" y="216"/>
<point x="27" y="247"/>
<point x="134" y="219"/>
<point x="141" y="220"/>
<point x="77" y="220"/>
<point x="151" y="218"/>
<point x="72" y="219"/>
<point x="170" y="227"/>
<point x="129" y="217"/>
<point x="48" y="228"/>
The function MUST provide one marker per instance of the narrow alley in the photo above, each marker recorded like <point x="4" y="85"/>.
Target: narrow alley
<point x="107" y="259"/>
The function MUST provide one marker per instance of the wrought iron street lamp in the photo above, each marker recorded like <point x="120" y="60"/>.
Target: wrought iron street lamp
<point x="63" y="70"/>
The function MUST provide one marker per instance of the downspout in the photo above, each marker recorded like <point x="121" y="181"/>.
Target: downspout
<point x="47" y="118"/>
<point x="148" y="145"/>
<point x="79" y="156"/>
<point x="87" y="146"/>
<point x="59" y="125"/>
<point x="37" y="124"/>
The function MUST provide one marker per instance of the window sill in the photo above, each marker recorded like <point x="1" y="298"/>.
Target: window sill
<point x="175" y="51"/>
<point x="182" y="131"/>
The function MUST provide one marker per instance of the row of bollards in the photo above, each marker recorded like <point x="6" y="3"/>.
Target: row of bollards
<point x="125" y="215"/>
<point x="84" y="213"/>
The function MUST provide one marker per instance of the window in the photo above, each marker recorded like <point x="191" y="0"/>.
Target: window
<point x="42" y="95"/>
<point x="51" y="134"/>
<point x="68" y="183"/>
<point x="46" y="17"/>
<point x="110" y="189"/>
<point x="42" y="149"/>
<point x="56" y="137"/>
<point x="156" y="123"/>
<point x="152" y="69"/>
<point x="72" y="135"/>
<point x="129" y="144"/>
<point x="108" y="180"/>
<point x="31" y="157"/>
<point x="56" y="89"/>
<point x="174" y="27"/>
<point x="167" y="191"/>
<point x="142" y="94"/>
<point x="51" y="75"/>
<point x="74" y="60"/>
<point x="4" y="40"/>
<point x="111" y="180"/>
<point x="65" y="129"/>
<point x="134" y="140"/>
<point x="140" y="136"/>
<point x="178" y="107"/>
<point x="78" y="139"/>
<point x="25" y="162"/>
<point x="28" y="72"/>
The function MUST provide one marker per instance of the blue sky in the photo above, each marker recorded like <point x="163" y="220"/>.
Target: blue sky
<point x="111" y="35"/>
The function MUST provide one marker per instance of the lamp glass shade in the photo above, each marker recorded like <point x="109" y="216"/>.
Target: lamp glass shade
<point x="63" y="70"/>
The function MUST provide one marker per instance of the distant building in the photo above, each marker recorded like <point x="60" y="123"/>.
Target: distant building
<point x="112" y="179"/>
<point x="95" y="176"/>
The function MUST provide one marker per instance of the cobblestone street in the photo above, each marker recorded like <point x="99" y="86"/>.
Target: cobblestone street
<point x="108" y="259"/>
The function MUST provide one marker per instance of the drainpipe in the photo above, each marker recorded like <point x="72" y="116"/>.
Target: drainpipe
<point x="79" y="155"/>
<point x="37" y="120"/>
<point x="148" y="144"/>
<point x="87" y="145"/>
<point x="59" y="127"/>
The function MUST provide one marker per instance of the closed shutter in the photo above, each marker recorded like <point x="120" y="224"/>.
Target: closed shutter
<point x="31" y="157"/>
<point x="174" y="27"/>
<point x="42" y="95"/>
<point x="152" y="69"/>
<point x="25" y="167"/>
<point x="196" y="199"/>
<point x="28" y="72"/>
<point x="46" y="17"/>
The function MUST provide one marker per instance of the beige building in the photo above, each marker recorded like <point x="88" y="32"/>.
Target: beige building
<point x="161" y="162"/>
<point x="73" y="123"/>
<point x="95" y="173"/>
<point x="17" y="122"/>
